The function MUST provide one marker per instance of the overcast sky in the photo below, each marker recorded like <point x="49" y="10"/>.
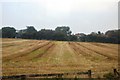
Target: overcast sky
<point x="83" y="16"/>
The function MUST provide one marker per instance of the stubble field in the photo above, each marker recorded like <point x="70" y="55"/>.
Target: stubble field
<point x="20" y="56"/>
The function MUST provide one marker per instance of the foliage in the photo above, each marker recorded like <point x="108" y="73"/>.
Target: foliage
<point x="109" y="76"/>
<point x="64" y="29"/>
<point x="108" y="37"/>
<point x="73" y="38"/>
<point x="62" y="33"/>
<point x="29" y="33"/>
<point x="8" y="32"/>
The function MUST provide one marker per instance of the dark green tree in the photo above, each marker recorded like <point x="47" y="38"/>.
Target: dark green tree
<point x="8" y="32"/>
<point x="29" y="33"/>
<point x="73" y="38"/>
<point x="64" y="29"/>
<point x="59" y="36"/>
<point x="113" y="34"/>
<point x="46" y="34"/>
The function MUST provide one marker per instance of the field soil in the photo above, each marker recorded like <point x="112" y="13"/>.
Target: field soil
<point x="22" y="56"/>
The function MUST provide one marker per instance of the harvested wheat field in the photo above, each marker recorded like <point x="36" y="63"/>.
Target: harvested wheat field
<point x="22" y="56"/>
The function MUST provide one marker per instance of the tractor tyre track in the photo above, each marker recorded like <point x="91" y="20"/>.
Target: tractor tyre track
<point x="26" y="52"/>
<point x="45" y="51"/>
<point x="108" y="57"/>
<point x="78" y="50"/>
<point x="101" y="45"/>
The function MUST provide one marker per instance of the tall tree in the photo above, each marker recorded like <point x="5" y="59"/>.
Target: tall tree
<point x="64" y="29"/>
<point x="29" y="33"/>
<point x="46" y="34"/>
<point x="8" y="32"/>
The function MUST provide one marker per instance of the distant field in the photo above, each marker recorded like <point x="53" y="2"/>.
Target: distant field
<point x="22" y="56"/>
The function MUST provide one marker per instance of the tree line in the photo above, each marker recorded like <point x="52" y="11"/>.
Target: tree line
<point x="62" y="33"/>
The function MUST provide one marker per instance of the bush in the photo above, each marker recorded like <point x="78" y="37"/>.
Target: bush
<point x="109" y="76"/>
